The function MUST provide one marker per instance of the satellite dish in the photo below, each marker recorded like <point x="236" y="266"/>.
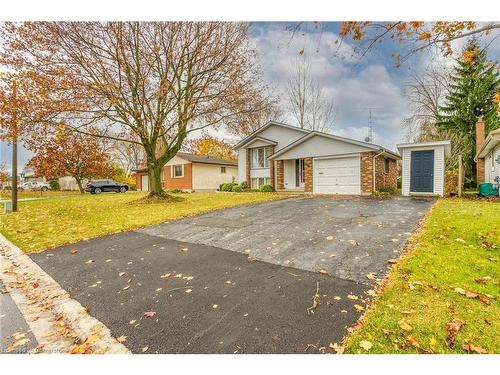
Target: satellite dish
<point x="367" y="139"/>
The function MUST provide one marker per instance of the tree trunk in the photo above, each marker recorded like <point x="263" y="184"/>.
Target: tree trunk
<point x="155" y="186"/>
<point x="80" y="186"/>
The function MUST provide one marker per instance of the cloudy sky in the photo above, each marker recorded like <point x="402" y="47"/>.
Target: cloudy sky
<point x="355" y="84"/>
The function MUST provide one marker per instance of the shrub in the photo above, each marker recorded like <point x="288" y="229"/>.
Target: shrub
<point x="236" y="189"/>
<point x="388" y="190"/>
<point x="228" y="187"/>
<point x="399" y="182"/>
<point x="266" y="189"/>
<point x="244" y="185"/>
<point x="132" y="187"/>
<point x="54" y="185"/>
<point x="220" y="187"/>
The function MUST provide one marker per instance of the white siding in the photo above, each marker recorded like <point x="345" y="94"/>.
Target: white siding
<point x="289" y="174"/>
<point x="491" y="167"/>
<point x="322" y="146"/>
<point x="260" y="172"/>
<point x="439" y="167"/>
<point x="242" y="165"/>
<point x="282" y="135"/>
<point x="209" y="176"/>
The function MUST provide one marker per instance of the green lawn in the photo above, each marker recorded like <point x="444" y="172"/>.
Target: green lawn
<point x="42" y="224"/>
<point x="6" y="194"/>
<point x="458" y="244"/>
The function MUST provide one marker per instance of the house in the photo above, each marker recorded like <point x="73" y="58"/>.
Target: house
<point x="191" y="173"/>
<point x="487" y="154"/>
<point x="299" y="160"/>
<point x="423" y="167"/>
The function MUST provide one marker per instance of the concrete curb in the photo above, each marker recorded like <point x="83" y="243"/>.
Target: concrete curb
<point x="58" y="322"/>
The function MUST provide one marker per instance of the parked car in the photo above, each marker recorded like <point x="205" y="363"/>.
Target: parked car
<point x="34" y="185"/>
<point x="101" y="186"/>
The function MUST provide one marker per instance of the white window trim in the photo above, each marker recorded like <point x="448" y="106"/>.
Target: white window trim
<point x="266" y="155"/>
<point x="172" y="171"/>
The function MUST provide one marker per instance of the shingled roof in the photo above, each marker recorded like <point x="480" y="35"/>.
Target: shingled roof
<point x="203" y="159"/>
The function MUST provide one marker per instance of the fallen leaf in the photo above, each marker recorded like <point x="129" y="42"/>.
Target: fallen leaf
<point x="145" y="349"/>
<point x="337" y="298"/>
<point x="404" y="326"/>
<point x="366" y="345"/>
<point x="432" y="341"/>
<point x="165" y="276"/>
<point x="392" y="261"/>
<point x="121" y="338"/>
<point x="184" y="249"/>
<point x="484" y="299"/>
<point x="470" y="348"/>
<point x="483" y="280"/>
<point x="371" y="275"/>
<point x="412" y="340"/>
<point x="323" y="272"/>
<point x="459" y="291"/>
<point x="452" y="329"/>
<point x="128" y="286"/>
<point x="329" y="238"/>
<point x="17" y="343"/>
<point x="89" y="261"/>
<point x="352" y="296"/>
<point x="149" y="314"/>
<point x="336" y="347"/>
<point x="471" y="294"/>
<point x="132" y="322"/>
<point x="73" y="251"/>
<point x="215" y="306"/>
<point x="354" y="242"/>
<point x="359" y="308"/>
<point x="460" y="240"/>
<point x="188" y="290"/>
<point x="121" y="274"/>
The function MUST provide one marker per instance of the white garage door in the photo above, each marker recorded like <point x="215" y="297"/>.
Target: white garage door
<point x="337" y="176"/>
<point x="145" y="183"/>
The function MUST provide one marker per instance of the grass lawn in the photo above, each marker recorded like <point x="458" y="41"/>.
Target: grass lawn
<point x="458" y="244"/>
<point x="41" y="224"/>
<point x="6" y="194"/>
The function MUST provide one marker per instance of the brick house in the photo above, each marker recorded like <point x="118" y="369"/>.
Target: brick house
<point x="191" y="173"/>
<point x="294" y="159"/>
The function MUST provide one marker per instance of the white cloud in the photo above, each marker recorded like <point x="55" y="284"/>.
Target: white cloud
<point x="354" y="87"/>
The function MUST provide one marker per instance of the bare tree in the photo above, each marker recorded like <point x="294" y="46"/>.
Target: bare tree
<point x="425" y="94"/>
<point x="157" y="80"/>
<point x="309" y="104"/>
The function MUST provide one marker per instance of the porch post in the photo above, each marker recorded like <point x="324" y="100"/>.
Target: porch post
<point x="308" y="175"/>
<point x="248" y="156"/>
<point x="271" y="168"/>
<point x="280" y="175"/>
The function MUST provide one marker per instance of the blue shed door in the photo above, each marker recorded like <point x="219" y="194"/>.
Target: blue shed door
<point x="422" y="171"/>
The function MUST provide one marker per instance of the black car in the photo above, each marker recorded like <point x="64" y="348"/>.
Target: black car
<point x="101" y="186"/>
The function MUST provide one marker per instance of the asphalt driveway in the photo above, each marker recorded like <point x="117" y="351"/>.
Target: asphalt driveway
<point x="238" y="280"/>
<point x="349" y="238"/>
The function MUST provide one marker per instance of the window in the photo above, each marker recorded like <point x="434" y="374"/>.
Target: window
<point x="178" y="171"/>
<point x="386" y="165"/>
<point x="222" y="169"/>
<point x="258" y="182"/>
<point x="259" y="157"/>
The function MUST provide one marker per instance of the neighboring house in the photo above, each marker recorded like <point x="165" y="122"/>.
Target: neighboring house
<point x="294" y="159"/>
<point x="28" y="175"/>
<point x="69" y="183"/>
<point x="487" y="154"/>
<point x="191" y="173"/>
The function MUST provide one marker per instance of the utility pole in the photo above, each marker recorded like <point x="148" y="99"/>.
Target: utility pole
<point x="14" y="147"/>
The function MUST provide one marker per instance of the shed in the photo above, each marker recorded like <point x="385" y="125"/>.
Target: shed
<point x="423" y="167"/>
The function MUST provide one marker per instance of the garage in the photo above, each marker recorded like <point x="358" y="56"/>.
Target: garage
<point x="145" y="182"/>
<point x="339" y="175"/>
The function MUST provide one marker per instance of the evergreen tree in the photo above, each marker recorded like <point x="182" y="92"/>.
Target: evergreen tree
<point x="474" y="84"/>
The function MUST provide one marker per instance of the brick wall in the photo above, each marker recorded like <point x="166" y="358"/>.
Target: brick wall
<point x="308" y="175"/>
<point x="185" y="182"/>
<point x="479" y="143"/>
<point x="366" y="172"/>
<point x="280" y="174"/>
<point x="386" y="180"/>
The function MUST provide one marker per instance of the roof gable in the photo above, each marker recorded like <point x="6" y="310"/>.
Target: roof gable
<point x="248" y="139"/>
<point x="323" y="148"/>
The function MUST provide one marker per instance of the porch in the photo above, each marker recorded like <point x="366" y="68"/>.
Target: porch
<point x="291" y="175"/>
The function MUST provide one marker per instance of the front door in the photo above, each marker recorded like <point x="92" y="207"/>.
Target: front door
<point x="299" y="173"/>
<point x="422" y="171"/>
